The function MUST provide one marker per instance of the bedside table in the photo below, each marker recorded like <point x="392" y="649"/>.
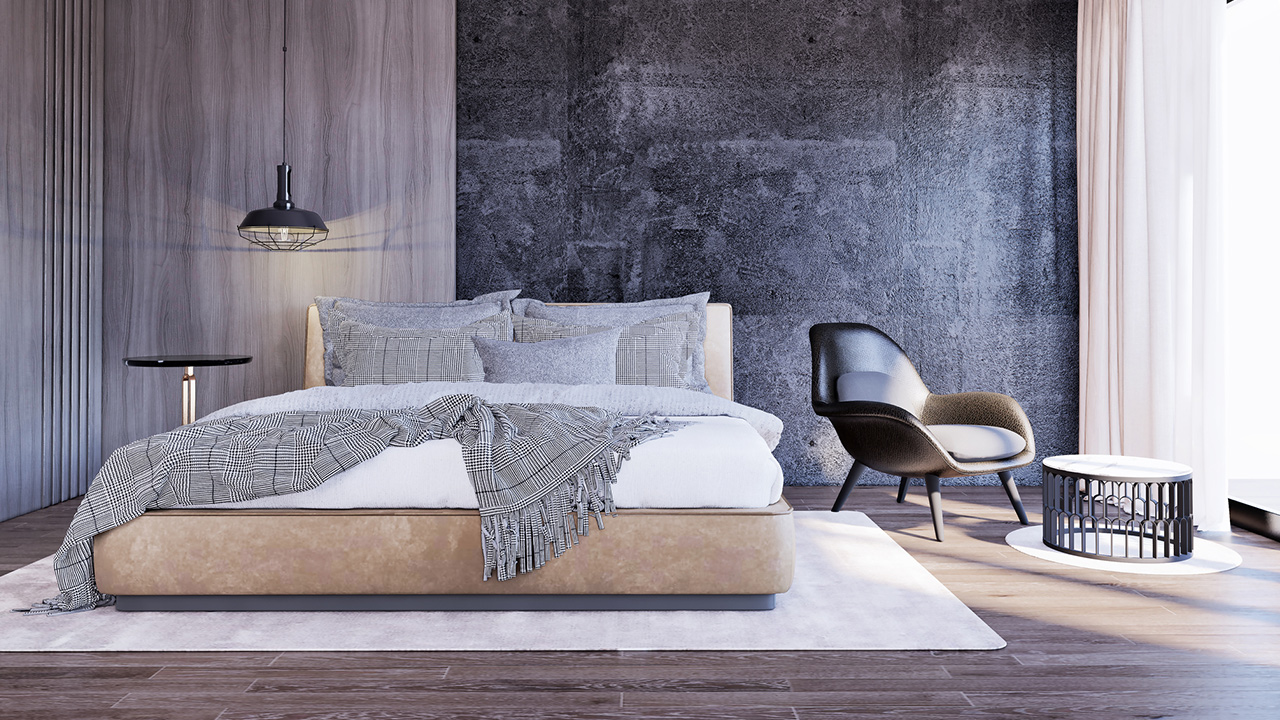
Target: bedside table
<point x="189" y="363"/>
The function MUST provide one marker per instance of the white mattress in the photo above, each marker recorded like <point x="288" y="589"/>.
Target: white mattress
<point x="713" y="462"/>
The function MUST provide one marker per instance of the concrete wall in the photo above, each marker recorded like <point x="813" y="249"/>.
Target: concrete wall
<point x="906" y="163"/>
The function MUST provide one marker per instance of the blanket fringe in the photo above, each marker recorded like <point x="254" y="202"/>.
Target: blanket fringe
<point x="60" y="606"/>
<point x="516" y="542"/>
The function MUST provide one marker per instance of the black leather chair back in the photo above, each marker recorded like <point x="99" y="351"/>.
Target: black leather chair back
<point x="840" y="348"/>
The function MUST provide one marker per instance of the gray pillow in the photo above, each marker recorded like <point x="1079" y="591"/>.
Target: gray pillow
<point x="402" y="315"/>
<point x="622" y="314"/>
<point x="372" y="355"/>
<point x="656" y="352"/>
<point x="585" y="360"/>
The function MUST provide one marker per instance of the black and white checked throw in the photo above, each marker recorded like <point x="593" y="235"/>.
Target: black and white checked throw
<point x="532" y="465"/>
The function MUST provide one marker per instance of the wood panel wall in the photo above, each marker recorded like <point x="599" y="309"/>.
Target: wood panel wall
<point x="21" y="251"/>
<point x="50" y="250"/>
<point x="193" y="135"/>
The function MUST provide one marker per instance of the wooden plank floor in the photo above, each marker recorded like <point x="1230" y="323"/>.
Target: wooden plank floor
<point x="1082" y="644"/>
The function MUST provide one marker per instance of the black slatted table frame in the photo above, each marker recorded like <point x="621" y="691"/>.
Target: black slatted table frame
<point x="1156" y="510"/>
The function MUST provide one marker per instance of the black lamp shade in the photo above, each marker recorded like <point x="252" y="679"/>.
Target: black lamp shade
<point x="283" y="226"/>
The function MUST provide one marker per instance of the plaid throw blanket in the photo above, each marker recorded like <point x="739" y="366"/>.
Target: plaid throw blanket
<point x="533" y="466"/>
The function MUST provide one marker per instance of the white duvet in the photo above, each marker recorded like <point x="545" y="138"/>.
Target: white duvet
<point x="721" y="458"/>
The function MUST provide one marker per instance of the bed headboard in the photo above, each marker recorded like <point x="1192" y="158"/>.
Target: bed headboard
<point x="718" y="347"/>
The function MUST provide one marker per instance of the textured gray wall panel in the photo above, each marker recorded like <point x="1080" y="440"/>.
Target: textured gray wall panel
<point x="909" y="164"/>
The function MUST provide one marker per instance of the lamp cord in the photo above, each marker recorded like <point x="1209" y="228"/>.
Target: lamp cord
<point x="284" y="90"/>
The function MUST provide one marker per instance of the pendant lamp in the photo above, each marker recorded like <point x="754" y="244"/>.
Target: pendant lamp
<point x="283" y="226"/>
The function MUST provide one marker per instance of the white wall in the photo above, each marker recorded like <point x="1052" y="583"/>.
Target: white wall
<point x="1252" y="106"/>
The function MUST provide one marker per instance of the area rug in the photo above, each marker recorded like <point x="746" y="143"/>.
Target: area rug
<point x="1206" y="556"/>
<point x="854" y="589"/>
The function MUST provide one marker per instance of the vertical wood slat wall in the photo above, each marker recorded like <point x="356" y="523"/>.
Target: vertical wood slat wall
<point x="51" y="220"/>
<point x="72" y="303"/>
<point x="72" y="260"/>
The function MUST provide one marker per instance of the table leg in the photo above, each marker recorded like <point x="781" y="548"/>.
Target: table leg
<point x="189" y="396"/>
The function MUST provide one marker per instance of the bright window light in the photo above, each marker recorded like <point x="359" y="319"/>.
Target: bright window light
<point x="1252" y="163"/>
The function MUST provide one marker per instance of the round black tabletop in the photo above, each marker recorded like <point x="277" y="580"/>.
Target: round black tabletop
<point x="186" y="360"/>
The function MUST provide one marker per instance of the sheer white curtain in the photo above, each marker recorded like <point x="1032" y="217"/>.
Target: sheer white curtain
<point x="1152" y="275"/>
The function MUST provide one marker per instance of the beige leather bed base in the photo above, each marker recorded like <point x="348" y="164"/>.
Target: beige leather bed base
<point x="431" y="559"/>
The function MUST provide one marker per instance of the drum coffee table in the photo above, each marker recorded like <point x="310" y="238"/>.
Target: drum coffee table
<point x="1116" y="507"/>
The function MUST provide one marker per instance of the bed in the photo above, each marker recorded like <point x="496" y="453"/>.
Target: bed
<point x="427" y="558"/>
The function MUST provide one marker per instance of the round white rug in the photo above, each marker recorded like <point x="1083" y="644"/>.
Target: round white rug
<point x="1207" y="557"/>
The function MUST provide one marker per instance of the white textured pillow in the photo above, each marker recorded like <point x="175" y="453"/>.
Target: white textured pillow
<point x="657" y="352"/>
<point x="879" y="387"/>
<point x="623" y="314"/>
<point x="585" y="360"/>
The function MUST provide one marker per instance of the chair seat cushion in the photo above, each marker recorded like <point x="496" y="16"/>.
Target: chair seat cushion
<point x="976" y="443"/>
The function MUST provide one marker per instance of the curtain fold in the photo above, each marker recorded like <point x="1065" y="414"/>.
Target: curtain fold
<point x="1152" y="271"/>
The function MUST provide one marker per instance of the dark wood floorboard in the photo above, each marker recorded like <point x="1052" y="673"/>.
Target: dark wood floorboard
<point x="1082" y="644"/>
<point x="27" y="538"/>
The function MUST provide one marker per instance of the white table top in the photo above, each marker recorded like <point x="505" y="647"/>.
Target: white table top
<point x="1121" y="467"/>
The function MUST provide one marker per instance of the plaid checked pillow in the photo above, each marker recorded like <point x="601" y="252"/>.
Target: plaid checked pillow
<point x="372" y="355"/>
<point x="654" y="352"/>
<point x="428" y="315"/>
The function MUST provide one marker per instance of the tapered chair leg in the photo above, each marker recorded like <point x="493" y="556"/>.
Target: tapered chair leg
<point x="1011" y="490"/>
<point x="855" y="472"/>
<point x="902" y="489"/>
<point x="933" y="485"/>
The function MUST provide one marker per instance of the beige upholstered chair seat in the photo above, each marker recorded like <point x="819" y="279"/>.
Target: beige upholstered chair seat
<point x="978" y="443"/>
